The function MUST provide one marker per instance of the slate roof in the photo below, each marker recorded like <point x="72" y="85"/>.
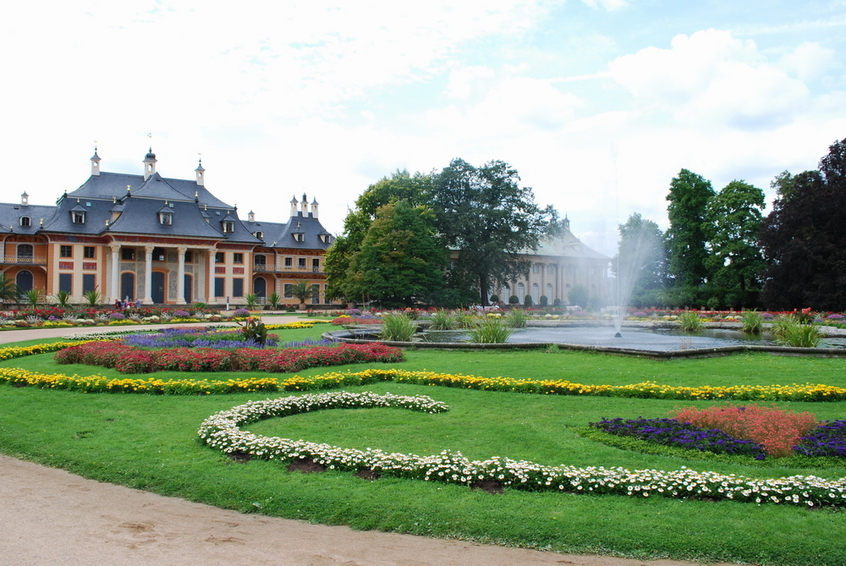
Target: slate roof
<point x="11" y="214"/>
<point x="196" y="213"/>
<point x="113" y="185"/>
<point x="282" y="235"/>
<point x="141" y="216"/>
<point x="566" y="245"/>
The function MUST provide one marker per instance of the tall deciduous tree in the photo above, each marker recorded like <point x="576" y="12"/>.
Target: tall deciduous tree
<point x="734" y="221"/>
<point x="400" y="261"/>
<point x="488" y="218"/>
<point x="640" y="267"/>
<point x="399" y="186"/>
<point x="803" y="238"/>
<point x="686" y="240"/>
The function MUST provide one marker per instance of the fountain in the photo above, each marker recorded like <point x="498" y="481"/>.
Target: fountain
<point x="637" y="244"/>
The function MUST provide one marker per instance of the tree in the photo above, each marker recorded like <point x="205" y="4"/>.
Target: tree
<point x="689" y="195"/>
<point x="302" y="291"/>
<point x="399" y="186"/>
<point x="487" y="218"/>
<point x="9" y="291"/>
<point x="400" y="261"/>
<point x="802" y="238"/>
<point x="733" y="223"/>
<point x="579" y="295"/>
<point x="640" y="267"/>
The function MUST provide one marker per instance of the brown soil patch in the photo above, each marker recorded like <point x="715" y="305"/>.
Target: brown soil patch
<point x="306" y="466"/>
<point x="367" y="474"/>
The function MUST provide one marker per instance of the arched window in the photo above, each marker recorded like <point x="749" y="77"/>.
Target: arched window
<point x="535" y="293"/>
<point x="549" y="292"/>
<point x="521" y="292"/>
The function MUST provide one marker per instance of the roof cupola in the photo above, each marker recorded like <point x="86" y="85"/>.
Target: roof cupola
<point x="95" y="164"/>
<point x="149" y="164"/>
<point x="200" y="174"/>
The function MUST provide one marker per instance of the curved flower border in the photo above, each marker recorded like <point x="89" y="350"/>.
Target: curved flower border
<point x="222" y="431"/>
<point x="647" y="390"/>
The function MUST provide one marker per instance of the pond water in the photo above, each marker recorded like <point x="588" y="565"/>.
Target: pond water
<point x="658" y="340"/>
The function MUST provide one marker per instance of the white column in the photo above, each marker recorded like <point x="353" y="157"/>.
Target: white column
<point x="113" y="280"/>
<point x="148" y="275"/>
<point x="180" y="277"/>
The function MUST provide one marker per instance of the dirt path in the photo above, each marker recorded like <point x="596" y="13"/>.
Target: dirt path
<point x="49" y="516"/>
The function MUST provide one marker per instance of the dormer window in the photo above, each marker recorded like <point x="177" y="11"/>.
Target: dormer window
<point x="228" y="226"/>
<point x="166" y="218"/>
<point x="78" y="216"/>
<point x="260" y="235"/>
<point x="299" y="237"/>
<point x="26" y="221"/>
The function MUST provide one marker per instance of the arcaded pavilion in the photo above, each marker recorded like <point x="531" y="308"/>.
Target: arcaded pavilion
<point x="162" y="240"/>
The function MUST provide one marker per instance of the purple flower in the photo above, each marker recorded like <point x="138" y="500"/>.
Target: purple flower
<point x="672" y="432"/>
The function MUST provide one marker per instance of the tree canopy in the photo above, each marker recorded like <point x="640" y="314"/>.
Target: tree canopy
<point x="405" y="226"/>
<point x="640" y="265"/>
<point x="802" y="238"/>
<point x="686" y="239"/>
<point x="488" y="218"/>
<point x="733" y="222"/>
<point x="360" y="259"/>
<point x="400" y="261"/>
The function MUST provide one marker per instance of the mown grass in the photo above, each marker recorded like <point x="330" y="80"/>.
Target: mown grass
<point x="150" y="443"/>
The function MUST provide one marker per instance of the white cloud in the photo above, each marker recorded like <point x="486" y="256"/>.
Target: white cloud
<point x="808" y="61"/>
<point x="713" y="79"/>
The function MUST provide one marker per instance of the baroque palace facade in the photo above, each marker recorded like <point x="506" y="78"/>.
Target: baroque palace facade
<point x="557" y="266"/>
<point x="160" y="240"/>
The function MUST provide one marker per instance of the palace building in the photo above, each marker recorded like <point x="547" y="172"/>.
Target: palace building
<point x="558" y="265"/>
<point x="164" y="241"/>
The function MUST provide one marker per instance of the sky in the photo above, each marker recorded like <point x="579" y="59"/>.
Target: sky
<point x="597" y="104"/>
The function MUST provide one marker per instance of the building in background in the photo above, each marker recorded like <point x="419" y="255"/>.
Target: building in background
<point x="164" y="241"/>
<point x="558" y="265"/>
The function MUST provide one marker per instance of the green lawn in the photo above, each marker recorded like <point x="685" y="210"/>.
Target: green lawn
<point x="150" y="443"/>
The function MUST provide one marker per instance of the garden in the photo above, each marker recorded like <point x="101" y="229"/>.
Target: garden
<point x="734" y="459"/>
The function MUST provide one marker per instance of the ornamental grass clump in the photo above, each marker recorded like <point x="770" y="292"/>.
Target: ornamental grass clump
<point x="516" y="318"/>
<point x="751" y="322"/>
<point x="787" y="331"/>
<point x="690" y="321"/>
<point x="490" y="331"/>
<point x="398" y="328"/>
<point x="443" y="320"/>
<point x="777" y="430"/>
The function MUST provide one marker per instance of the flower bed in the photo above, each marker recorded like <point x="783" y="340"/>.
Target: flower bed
<point x="197" y="338"/>
<point x="673" y="432"/>
<point x="746" y="430"/>
<point x="776" y="430"/>
<point x="332" y="380"/>
<point x="222" y="431"/>
<point x="130" y="359"/>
